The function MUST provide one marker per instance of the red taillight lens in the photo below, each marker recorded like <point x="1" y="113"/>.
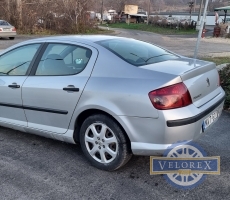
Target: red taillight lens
<point x="14" y="29"/>
<point x="0" y="29"/>
<point x="174" y="96"/>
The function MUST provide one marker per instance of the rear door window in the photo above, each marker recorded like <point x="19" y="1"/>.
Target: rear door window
<point x="63" y="59"/>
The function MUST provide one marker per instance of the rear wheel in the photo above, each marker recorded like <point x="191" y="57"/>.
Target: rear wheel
<point x="11" y="38"/>
<point x="104" y="143"/>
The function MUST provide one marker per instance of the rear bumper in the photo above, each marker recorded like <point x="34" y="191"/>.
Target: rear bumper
<point x="8" y="34"/>
<point x="182" y="122"/>
<point x="153" y="136"/>
<point x="147" y="149"/>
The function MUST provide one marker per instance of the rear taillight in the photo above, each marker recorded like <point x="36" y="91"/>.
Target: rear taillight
<point x="174" y="96"/>
<point x="0" y="29"/>
<point x="14" y="29"/>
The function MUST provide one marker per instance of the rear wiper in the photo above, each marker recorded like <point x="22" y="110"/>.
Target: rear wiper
<point x="150" y="57"/>
<point x="157" y="56"/>
<point x="139" y="57"/>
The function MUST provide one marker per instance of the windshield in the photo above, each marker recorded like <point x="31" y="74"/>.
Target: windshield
<point x="136" y="52"/>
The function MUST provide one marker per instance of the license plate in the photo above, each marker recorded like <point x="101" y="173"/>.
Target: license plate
<point x="209" y="120"/>
<point x="6" y="29"/>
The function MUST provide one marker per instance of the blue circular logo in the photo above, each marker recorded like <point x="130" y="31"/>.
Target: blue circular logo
<point x="185" y="152"/>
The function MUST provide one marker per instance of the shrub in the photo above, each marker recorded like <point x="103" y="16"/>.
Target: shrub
<point x="225" y="83"/>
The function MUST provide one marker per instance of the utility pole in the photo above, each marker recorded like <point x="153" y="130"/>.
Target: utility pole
<point x="19" y="10"/>
<point x="195" y="6"/>
<point x="8" y="9"/>
<point x="198" y="20"/>
<point x="191" y="5"/>
<point x="148" y="11"/>
<point x="102" y="5"/>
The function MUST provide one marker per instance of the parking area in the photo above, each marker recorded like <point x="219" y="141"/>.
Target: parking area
<point x="33" y="167"/>
<point x="183" y="45"/>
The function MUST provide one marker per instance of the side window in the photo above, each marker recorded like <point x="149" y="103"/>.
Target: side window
<point x="63" y="59"/>
<point x="17" y="61"/>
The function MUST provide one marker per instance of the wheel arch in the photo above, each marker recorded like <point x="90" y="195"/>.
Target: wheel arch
<point x="86" y="113"/>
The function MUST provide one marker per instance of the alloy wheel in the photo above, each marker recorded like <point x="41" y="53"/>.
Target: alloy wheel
<point x="101" y="143"/>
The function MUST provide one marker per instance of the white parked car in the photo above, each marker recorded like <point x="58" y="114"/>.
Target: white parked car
<point x="7" y="30"/>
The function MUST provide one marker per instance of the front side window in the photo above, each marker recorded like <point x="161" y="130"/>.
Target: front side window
<point x="63" y="59"/>
<point x="136" y="52"/>
<point x="17" y="61"/>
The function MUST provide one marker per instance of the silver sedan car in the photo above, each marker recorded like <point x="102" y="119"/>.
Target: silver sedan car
<point x="116" y="96"/>
<point x="7" y="30"/>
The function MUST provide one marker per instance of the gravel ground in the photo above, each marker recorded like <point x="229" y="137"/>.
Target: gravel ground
<point x="184" y="45"/>
<point x="33" y="167"/>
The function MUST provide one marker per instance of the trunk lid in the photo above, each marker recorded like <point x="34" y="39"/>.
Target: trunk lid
<point x="6" y="28"/>
<point x="200" y="77"/>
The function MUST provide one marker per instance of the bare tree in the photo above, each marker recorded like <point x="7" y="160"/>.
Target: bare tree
<point x="215" y="4"/>
<point x="63" y="16"/>
<point x="158" y="5"/>
<point x="117" y="5"/>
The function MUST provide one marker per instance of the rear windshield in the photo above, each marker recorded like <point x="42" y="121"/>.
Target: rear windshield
<point x="136" y="52"/>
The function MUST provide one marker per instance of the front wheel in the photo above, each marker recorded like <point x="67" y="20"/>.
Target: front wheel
<point x="11" y="38"/>
<point x="104" y="143"/>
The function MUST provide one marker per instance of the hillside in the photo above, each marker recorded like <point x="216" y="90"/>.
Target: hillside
<point x="163" y="5"/>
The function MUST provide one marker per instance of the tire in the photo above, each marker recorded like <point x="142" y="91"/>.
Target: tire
<point x="107" y="148"/>
<point x="11" y="38"/>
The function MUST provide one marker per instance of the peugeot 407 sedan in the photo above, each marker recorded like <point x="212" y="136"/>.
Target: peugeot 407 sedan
<point x="116" y="96"/>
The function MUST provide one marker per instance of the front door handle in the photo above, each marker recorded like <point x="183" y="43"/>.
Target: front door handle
<point x="71" y="88"/>
<point x="14" y="85"/>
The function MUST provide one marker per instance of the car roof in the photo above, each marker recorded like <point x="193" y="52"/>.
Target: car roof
<point x="86" y="39"/>
<point x="76" y="38"/>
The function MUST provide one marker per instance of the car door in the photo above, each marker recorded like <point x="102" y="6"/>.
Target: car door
<point x="51" y="93"/>
<point x="14" y="67"/>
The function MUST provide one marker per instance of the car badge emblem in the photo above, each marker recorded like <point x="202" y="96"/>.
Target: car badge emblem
<point x="208" y="82"/>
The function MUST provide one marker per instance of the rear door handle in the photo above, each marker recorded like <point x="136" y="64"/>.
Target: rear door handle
<point x="14" y="86"/>
<point x="71" y="88"/>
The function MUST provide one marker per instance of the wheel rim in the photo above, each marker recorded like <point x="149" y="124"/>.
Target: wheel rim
<point x="186" y="151"/>
<point x="101" y="143"/>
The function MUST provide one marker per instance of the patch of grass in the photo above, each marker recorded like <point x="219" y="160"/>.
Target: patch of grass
<point x="45" y="32"/>
<point x="151" y="28"/>
<point x="36" y="32"/>
<point x="99" y="31"/>
<point x="217" y="60"/>
<point x="228" y="35"/>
